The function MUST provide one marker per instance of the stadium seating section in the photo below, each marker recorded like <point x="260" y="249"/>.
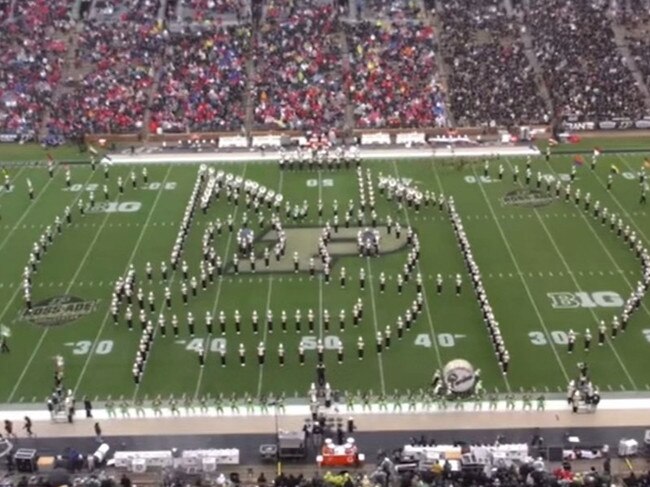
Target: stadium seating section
<point x="136" y="66"/>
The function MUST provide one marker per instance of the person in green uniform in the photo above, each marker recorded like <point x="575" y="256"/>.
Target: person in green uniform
<point x="110" y="407"/>
<point x="413" y="400"/>
<point x="173" y="406"/>
<point x="218" y="403"/>
<point x="366" y="401"/>
<point x="510" y="401"/>
<point x="139" y="407"/>
<point x="280" y="403"/>
<point x="188" y="404"/>
<point x="124" y="407"/>
<point x="248" y="399"/>
<point x="350" y="399"/>
<point x="397" y="401"/>
<point x="203" y="404"/>
<point x="527" y="402"/>
<point x="264" y="404"/>
<point x="157" y="406"/>
<point x="234" y="404"/>
<point x="494" y="401"/>
<point x="541" y="403"/>
<point x="381" y="400"/>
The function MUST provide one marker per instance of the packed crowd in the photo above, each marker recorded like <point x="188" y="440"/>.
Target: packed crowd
<point x="482" y="43"/>
<point x="585" y="74"/>
<point x="30" y="63"/>
<point x="395" y="80"/>
<point x="203" y="81"/>
<point x="118" y="67"/>
<point x="310" y="64"/>
<point x="298" y="80"/>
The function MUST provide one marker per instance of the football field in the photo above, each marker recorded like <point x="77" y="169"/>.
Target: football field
<point x="548" y="265"/>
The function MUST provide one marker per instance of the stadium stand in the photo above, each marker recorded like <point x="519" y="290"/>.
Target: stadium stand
<point x="585" y="75"/>
<point x="480" y="42"/>
<point x="395" y="75"/>
<point x="209" y="65"/>
<point x="31" y="45"/>
<point x="115" y="68"/>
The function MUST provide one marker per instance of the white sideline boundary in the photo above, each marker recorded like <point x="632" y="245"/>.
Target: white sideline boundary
<point x="365" y="154"/>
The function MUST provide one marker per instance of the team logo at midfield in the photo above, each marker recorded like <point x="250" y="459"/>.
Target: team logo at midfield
<point x="58" y="310"/>
<point x="532" y="198"/>
<point x="459" y="376"/>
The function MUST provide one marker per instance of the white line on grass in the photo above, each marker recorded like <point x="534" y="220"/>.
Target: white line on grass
<point x="434" y="336"/>
<point x="440" y="186"/>
<point x="523" y="279"/>
<point x="320" y="275"/>
<point x="226" y="251"/>
<point x="268" y="305"/>
<point x="380" y="358"/>
<point x="575" y="282"/>
<point x="135" y="249"/>
<point x="172" y="277"/>
<point x="31" y="205"/>
<point x="67" y="291"/>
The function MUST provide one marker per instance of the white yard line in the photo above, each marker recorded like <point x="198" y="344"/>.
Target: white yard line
<point x="572" y="276"/>
<point x="126" y="267"/>
<point x="380" y="357"/>
<point x="67" y="291"/>
<point x="320" y="275"/>
<point x="172" y="277"/>
<point x="434" y="335"/>
<point x="226" y="251"/>
<point x="577" y="285"/>
<point x="521" y="275"/>
<point x="260" y="377"/>
<point x="442" y="191"/>
<point x="575" y="281"/>
<point x="29" y="208"/>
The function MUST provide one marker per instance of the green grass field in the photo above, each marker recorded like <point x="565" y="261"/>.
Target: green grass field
<point x="524" y="254"/>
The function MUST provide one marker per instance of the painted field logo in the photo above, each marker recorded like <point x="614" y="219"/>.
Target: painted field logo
<point x="58" y="310"/>
<point x="459" y="376"/>
<point x="532" y="198"/>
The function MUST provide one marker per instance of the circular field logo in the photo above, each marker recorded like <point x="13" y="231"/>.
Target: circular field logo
<point x="532" y="198"/>
<point x="459" y="376"/>
<point x="58" y="310"/>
